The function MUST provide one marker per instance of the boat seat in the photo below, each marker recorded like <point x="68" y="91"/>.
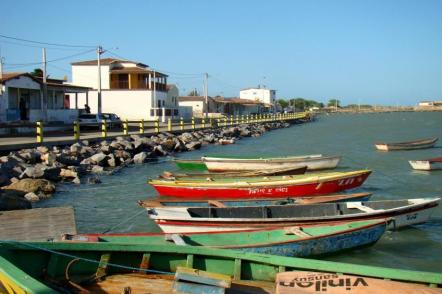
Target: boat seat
<point x="296" y="230"/>
<point x="358" y="205"/>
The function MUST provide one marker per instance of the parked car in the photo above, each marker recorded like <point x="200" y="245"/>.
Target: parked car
<point x="112" y="120"/>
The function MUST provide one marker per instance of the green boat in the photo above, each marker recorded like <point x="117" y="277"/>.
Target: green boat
<point x="70" y="267"/>
<point x="191" y="164"/>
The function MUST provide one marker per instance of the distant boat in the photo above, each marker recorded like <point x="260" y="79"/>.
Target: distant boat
<point x="411" y="145"/>
<point x="270" y="172"/>
<point x="255" y="202"/>
<point x="427" y="164"/>
<point x="261" y="187"/>
<point x="285" y="241"/>
<point x="208" y="219"/>
<point x="313" y="162"/>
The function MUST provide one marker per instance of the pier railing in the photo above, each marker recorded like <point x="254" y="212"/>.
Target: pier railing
<point x="107" y="129"/>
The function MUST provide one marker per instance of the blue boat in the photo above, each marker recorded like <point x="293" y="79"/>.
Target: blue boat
<point x="288" y="241"/>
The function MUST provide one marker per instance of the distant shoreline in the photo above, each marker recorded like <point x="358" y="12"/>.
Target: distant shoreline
<point x="385" y="109"/>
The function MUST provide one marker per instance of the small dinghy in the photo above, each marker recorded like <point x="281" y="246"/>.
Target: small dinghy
<point x="427" y="164"/>
<point x="411" y="145"/>
<point x="206" y="219"/>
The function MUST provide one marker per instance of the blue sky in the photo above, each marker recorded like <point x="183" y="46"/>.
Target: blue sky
<point x="374" y="52"/>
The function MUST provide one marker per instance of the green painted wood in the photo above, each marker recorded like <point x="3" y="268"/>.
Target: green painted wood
<point x="197" y="165"/>
<point x="102" y="266"/>
<point x="259" y="267"/>
<point x="202" y="277"/>
<point x="189" y="261"/>
<point x="193" y="288"/>
<point x="144" y="265"/>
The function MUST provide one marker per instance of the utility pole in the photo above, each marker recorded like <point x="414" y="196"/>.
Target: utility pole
<point x="1" y="73"/>
<point x="45" y="87"/>
<point x="99" y="52"/>
<point x="155" y="104"/>
<point x="206" y="93"/>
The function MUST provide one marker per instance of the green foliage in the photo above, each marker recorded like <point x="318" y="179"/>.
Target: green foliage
<point x="334" y="102"/>
<point x="37" y="72"/>
<point x="194" y="92"/>
<point x="284" y="103"/>
<point x="304" y="104"/>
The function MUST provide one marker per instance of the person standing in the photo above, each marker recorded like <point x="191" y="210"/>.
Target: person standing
<point x="87" y="109"/>
<point x="23" y="109"/>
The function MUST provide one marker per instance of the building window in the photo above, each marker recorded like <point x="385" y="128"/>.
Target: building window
<point x="35" y="100"/>
<point x="151" y="112"/>
<point x="168" y="112"/>
<point x="175" y="112"/>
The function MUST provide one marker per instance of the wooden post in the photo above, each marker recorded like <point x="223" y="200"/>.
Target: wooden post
<point x="76" y="130"/>
<point x="169" y="124"/>
<point x="181" y="124"/>
<point x="125" y="127"/>
<point x="141" y="125"/>
<point x="39" y="131"/>
<point x="157" y="125"/>
<point x="193" y="123"/>
<point x="103" y="128"/>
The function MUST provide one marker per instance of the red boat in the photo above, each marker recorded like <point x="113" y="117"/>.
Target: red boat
<point x="257" y="187"/>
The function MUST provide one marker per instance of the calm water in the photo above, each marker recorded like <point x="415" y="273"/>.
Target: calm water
<point x="101" y="207"/>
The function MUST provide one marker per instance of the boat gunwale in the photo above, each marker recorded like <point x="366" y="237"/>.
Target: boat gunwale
<point x="271" y="160"/>
<point x="413" y="143"/>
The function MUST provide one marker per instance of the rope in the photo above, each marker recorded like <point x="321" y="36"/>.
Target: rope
<point x="87" y="259"/>
<point x="126" y="220"/>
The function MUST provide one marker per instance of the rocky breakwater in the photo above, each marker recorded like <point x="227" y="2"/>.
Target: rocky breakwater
<point x="30" y="175"/>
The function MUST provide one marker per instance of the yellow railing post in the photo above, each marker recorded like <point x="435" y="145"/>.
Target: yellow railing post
<point x="141" y="126"/>
<point x="236" y="119"/>
<point x="193" y="123"/>
<point x="231" y="120"/>
<point x="76" y="130"/>
<point x="225" y="121"/>
<point x="181" y="124"/>
<point x="125" y="127"/>
<point x="169" y="124"/>
<point x="218" y="122"/>
<point x="210" y="122"/>
<point x="203" y="122"/>
<point x="157" y="125"/>
<point x="103" y="128"/>
<point x="39" y="131"/>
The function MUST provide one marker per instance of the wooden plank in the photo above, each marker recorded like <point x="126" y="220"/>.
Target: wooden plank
<point x="38" y="224"/>
<point x="237" y="269"/>
<point x="202" y="277"/>
<point x="145" y="262"/>
<point x="102" y="266"/>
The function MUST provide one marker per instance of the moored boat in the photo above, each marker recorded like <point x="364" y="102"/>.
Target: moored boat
<point x="427" y="164"/>
<point x="106" y="267"/>
<point x="256" y="187"/>
<point x="206" y="219"/>
<point x="271" y="172"/>
<point x="255" y="202"/>
<point x="410" y="145"/>
<point x="313" y="162"/>
<point x="292" y="241"/>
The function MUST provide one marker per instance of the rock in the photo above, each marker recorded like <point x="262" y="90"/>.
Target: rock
<point x="86" y="150"/>
<point x="116" y="145"/>
<point x="193" y="145"/>
<point x="93" y="180"/>
<point x="48" y="158"/>
<point x="168" y="144"/>
<point x="76" y="181"/>
<point x="52" y="174"/>
<point x="135" y="137"/>
<point x="29" y="155"/>
<point x="126" y="144"/>
<point x="98" y="158"/>
<point x="186" y="137"/>
<point x="42" y="149"/>
<point x="12" y="200"/>
<point x="32" y="197"/>
<point x="210" y="138"/>
<point x="14" y="180"/>
<point x="32" y="185"/>
<point x="67" y="173"/>
<point x="226" y="141"/>
<point x="104" y="143"/>
<point x="158" y="150"/>
<point x="75" y="148"/>
<point x="86" y="161"/>
<point x="96" y="169"/>
<point x="140" y="157"/>
<point x="85" y="142"/>
<point x="33" y="172"/>
<point x="4" y="179"/>
<point x="106" y="149"/>
<point x="122" y="154"/>
<point x="68" y="159"/>
<point x="111" y="161"/>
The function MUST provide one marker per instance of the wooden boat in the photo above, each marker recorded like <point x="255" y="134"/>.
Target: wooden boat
<point x="292" y="241"/>
<point x="255" y="202"/>
<point x="256" y="187"/>
<point x="271" y="172"/>
<point x="105" y="267"/>
<point x="191" y="164"/>
<point x="411" y="145"/>
<point x="427" y="164"/>
<point x="313" y="162"/>
<point x="207" y="219"/>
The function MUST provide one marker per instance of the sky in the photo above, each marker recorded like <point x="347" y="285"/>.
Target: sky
<point x="369" y="52"/>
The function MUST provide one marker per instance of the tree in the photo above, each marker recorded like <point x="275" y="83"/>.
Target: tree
<point x="37" y="72"/>
<point x="283" y="103"/>
<point x="194" y="92"/>
<point x="333" y="103"/>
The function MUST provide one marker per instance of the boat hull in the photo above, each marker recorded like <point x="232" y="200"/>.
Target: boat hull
<point x="178" y="220"/>
<point x="314" y="163"/>
<point x="194" y="165"/>
<point x="421" y="144"/>
<point x="425" y="165"/>
<point x="269" y="191"/>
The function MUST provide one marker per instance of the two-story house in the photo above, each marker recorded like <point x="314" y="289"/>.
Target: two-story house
<point x="130" y="89"/>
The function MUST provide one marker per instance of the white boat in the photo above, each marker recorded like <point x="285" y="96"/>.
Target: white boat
<point x="427" y="164"/>
<point x="313" y="162"/>
<point x="215" y="219"/>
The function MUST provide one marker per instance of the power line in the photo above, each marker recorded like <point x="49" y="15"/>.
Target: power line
<point x="36" y="46"/>
<point x="46" y="43"/>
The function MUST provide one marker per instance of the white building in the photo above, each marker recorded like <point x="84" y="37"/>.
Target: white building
<point x="130" y="89"/>
<point x="21" y="99"/>
<point x="197" y="104"/>
<point x="259" y="94"/>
